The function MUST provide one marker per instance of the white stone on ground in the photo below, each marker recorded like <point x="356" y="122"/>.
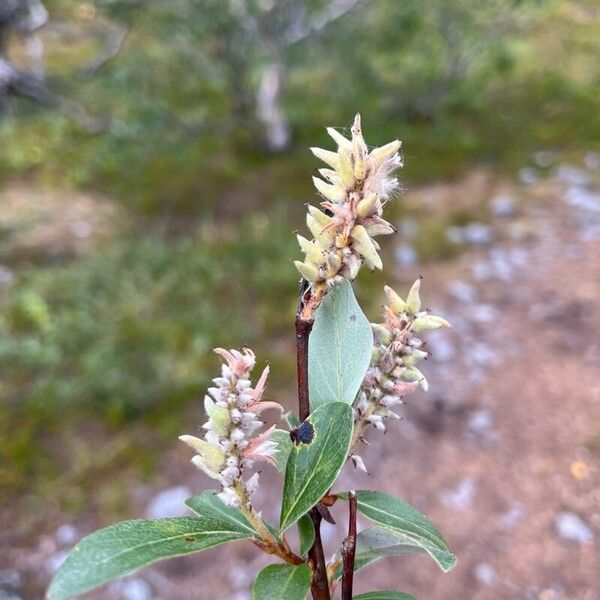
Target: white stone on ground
<point x="169" y="503"/>
<point x="66" y="535"/>
<point x="571" y="527"/>
<point x="461" y="496"/>
<point x="485" y="573"/>
<point x="136" y="589"/>
<point x="502" y="206"/>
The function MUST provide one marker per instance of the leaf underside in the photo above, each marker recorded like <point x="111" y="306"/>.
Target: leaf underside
<point x="306" y="533"/>
<point x="284" y="445"/>
<point x="378" y="542"/>
<point x="412" y="527"/>
<point x="339" y="348"/>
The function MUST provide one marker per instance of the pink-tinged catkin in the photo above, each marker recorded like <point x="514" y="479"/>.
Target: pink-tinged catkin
<point x="392" y="373"/>
<point x="231" y="444"/>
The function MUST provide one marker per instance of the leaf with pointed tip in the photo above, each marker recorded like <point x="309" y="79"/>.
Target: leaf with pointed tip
<point x="387" y="595"/>
<point x="282" y="582"/>
<point x="306" y="534"/>
<point x="339" y="348"/>
<point x="127" y="546"/>
<point x="315" y="459"/>
<point x="408" y="522"/>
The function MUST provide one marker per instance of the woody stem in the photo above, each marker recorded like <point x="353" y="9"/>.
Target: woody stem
<point x="349" y="549"/>
<point x="316" y="555"/>
<point x="269" y="544"/>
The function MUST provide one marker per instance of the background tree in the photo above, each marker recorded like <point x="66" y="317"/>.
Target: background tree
<point x="23" y="18"/>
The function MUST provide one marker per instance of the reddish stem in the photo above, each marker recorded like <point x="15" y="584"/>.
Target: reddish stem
<point x="303" y="329"/>
<point x="320" y="583"/>
<point x="349" y="549"/>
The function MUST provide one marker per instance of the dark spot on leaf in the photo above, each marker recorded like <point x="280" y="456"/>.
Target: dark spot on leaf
<point x="352" y="318"/>
<point x="303" y="434"/>
<point x="190" y="538"/>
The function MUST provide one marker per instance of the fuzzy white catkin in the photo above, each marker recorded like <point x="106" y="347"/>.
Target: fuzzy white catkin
<point x="392" y="373"/>
<point x="355" y="189"/>
<point x="230" y="445"/>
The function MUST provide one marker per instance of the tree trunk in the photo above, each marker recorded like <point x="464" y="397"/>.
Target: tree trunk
<point x="269" y="109"/>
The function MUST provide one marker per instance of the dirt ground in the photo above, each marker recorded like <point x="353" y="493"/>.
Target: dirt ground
<point x="502" y="453"/>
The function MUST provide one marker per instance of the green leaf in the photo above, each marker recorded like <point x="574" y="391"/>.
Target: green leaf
<point x="339" y="348"/>
<point x="407" y="521"/>
<point x="313" y="467"/>
<point x="291" y="419"/>
<point x="374" y="543"/>
<point x="387" y="595"/>
<point x="127" y="546"/>
<point x="284" y="445"/>
<point x="208" y="503"/>
<point x="282" y="582"/>
<point x="306" y="533"/>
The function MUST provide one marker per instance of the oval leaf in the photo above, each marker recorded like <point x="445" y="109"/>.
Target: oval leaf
<point x="306" y="534"/>
<point x="385" y="596"/>
<point x="127" y="546"/>
<point x="284" y="445"/>
<point x="403" y="519"/>
<point x="314" y="462"/>
<point x="282" y="582"/>
<point x="374" y="543"/>
<point x="339" y="348"/>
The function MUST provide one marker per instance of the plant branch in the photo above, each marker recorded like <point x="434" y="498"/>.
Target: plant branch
<point x="349" y="548"/>
<point x="269" y="544"/>
<point x="303" y="329"/>
<point x="320" y="582"/>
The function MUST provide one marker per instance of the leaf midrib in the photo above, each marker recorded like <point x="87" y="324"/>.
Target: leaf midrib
<point x="149" y="544"/>
<point x="219" y="510"/>
<point x="313" y="474"/>
<point x="285" y="586"/>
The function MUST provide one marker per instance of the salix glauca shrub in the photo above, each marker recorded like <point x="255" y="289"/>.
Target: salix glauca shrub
<point x="352" y="376"/>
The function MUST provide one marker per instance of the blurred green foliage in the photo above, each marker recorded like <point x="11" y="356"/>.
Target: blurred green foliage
<point x="126" y="332"/>
<point x="168" y="127"/>
<point x="172" y="117"/>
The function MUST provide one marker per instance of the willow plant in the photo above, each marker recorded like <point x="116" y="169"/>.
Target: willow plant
<point x="351" y="378"/>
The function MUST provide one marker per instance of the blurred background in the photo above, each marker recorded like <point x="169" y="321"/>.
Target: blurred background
<point x="153" y="168"/>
